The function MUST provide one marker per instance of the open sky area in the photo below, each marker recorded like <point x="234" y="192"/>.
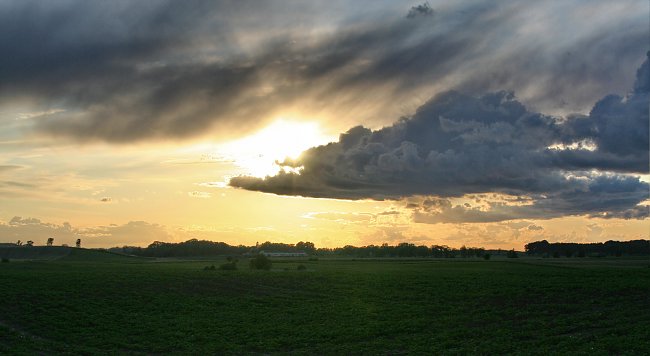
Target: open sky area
<point x="477" y="123"/>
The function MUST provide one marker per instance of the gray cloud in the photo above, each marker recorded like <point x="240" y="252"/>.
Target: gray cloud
<point x="420" y="10"/>
<point x="9" y="167"/>
<point x="457" y="144"/>
<point x="127" y="71"/>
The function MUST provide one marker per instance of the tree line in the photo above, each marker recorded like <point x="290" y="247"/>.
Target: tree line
<point x="204" y="248"/>
<point x="404" y="249"/>
<point x="600" y="249"/>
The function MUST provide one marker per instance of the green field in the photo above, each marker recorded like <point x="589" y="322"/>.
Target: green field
<point x="93" y="303"/>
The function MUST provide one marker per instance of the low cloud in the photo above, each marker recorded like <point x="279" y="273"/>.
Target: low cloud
<point x="134" y="232"/>
<point x="457" y="145"/>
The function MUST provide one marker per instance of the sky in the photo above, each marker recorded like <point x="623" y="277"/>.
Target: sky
<point x="476" y="123"/>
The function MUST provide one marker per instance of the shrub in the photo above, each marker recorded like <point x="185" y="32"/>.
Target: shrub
<point x="301" y="267"/>
<point x="229" y="266"/>
<point x="260" y="262"/>
<point x="5" y="260"/>
<point x="486" y="256"/>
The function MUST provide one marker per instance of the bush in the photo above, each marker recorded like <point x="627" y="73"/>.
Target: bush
<point x="5" y="260"/>
<point x="260" y="262"/>
<point x="301" y="267"/>
<point x="486" y="256"/>
<point x="229" y="266"/>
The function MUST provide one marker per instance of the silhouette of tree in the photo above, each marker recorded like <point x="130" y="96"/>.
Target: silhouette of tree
<point x="19" y="243"/>
<point x="261" y="262"/>
<point x="50" y="241"/>
<point x="569" y="249"/>
<point x="30" y="243"/>
<point x="78" y="243"/>
<point x="307" y="247"/>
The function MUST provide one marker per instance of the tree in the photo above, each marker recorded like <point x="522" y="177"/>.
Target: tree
<point x="231" y="265"/>
<point x="78" y="244"/>
<point x="50" y="241"/>
<point x="19" y="243"/>
<point x="463" y="252"/>
<point x="261" y="262"/>
<point x="307" y="247"/>
<point x="512" y="254"/>
<point x="29" y="243"/>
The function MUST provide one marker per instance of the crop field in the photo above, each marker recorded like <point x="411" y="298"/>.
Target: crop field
<point x="89" y="303"/>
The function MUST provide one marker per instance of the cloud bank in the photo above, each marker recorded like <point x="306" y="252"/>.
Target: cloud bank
<point x="128" y="71"/>
<point x="459" y="145"/>
<point x="133" y="232"/>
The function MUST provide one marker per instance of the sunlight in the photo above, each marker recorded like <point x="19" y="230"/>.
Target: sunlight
<point x="257" y="154"/>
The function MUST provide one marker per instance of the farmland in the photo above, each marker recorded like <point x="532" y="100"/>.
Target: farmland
<point x="106" y="304"/>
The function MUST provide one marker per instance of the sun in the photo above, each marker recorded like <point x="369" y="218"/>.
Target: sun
<point x="257" y="154"/>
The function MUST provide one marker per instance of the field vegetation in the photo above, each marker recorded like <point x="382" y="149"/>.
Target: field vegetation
<point x="101" y="303"/>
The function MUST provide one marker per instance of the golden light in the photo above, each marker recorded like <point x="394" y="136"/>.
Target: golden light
<point x="257" y="154"/>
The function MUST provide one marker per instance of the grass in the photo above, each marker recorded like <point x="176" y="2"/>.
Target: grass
<point x="530" y="306"/>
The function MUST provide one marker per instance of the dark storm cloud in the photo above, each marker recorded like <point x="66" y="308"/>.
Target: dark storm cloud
<point x="127" y="71"/>
<point x="457" y="144"/>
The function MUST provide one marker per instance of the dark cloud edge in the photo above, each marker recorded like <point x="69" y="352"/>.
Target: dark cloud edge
<point x="618" y="126"/>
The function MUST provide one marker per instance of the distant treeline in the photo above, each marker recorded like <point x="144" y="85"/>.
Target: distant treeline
<point x="568" y="249"/>
<point x="404" y="249"/>
<point x="202" y="248"/>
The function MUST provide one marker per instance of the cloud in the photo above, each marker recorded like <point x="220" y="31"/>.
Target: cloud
<point x="342" y="217"/>
<point x="159" y="70"/>
<point x="134" y="232"/>
<point x="420" y="10"/>
<point x="198" y="194"/>
<point x="24" y="229"/>
<point x="457" y="145"/>
<point x="9" y="167"/>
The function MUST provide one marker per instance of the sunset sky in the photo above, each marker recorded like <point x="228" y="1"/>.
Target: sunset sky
<point x="477" y="123"/>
